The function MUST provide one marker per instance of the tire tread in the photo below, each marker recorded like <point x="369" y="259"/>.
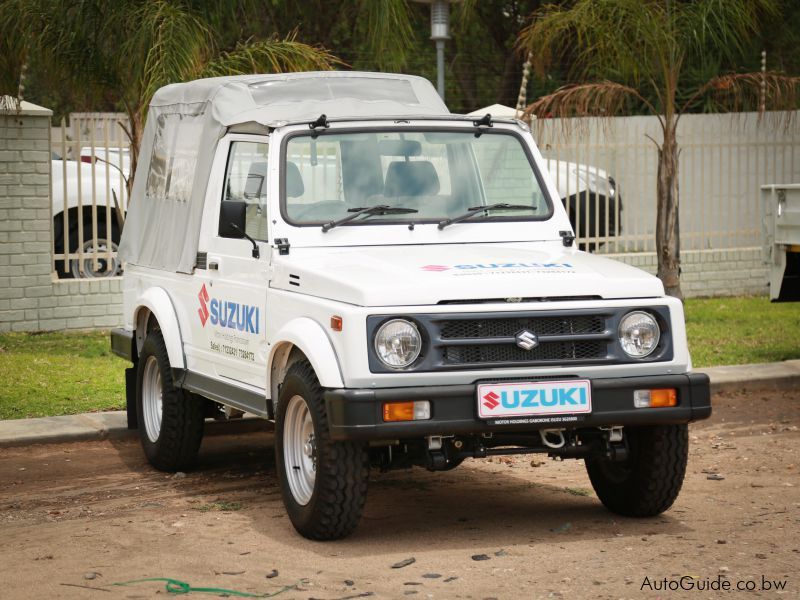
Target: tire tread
<point x="658" y="468"/>
<point x="342" y="471"/>
<point x="182" y="418"/>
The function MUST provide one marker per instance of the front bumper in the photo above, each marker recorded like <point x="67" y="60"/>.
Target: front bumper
<point x="357" y="414"/>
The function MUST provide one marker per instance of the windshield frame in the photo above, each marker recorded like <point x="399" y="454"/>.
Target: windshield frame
<point x="540" y="180"/>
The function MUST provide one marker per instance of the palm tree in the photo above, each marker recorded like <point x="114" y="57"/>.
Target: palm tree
<point x="125" y="50"/>
<point x="637" y="54"/>
<point x="12" y="55"/>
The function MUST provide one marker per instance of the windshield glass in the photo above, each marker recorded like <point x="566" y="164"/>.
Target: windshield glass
<point x="438" y="174"/>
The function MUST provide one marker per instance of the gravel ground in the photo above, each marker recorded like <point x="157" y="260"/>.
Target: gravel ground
<point x="77" y="518"/>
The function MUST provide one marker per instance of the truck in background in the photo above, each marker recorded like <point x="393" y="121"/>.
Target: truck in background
<point x="780" y="204"/>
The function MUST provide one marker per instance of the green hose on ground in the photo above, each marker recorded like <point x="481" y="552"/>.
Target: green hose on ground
<point x="177" y="587"/>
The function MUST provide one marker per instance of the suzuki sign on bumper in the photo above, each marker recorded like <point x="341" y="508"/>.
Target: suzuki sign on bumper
<point x="525" y="399"/>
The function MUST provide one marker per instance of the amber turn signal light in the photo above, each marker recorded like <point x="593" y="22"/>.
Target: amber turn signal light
<point x="407" y="411"/>
<point x="655" y="398"/>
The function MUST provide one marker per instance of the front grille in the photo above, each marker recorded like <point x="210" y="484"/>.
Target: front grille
<point x="563" y="337"/>
<point x="488" y="340"/>
<point x="511" y="353"/>
<point x="541" y="326"/>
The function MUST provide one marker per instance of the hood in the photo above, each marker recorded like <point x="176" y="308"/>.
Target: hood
<point x="403" y="275"/>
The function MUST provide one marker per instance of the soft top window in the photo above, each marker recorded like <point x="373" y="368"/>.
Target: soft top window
<point x="174" y="159"/>
<point x="358" y="88"/>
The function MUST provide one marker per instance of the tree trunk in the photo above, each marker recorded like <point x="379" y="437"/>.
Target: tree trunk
<point x="668" y="243"/>
<point x="136" y="127"/>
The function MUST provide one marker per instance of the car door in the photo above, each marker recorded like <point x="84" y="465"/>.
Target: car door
<point x="230" y="331"/>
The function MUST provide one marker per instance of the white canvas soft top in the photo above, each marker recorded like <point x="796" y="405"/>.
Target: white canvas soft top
<point x="291" y="97"/>
<point x="185" y="121"/>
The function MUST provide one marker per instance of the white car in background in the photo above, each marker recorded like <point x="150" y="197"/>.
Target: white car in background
<point x="590" y="196"/>
<point x="84" y="194"/>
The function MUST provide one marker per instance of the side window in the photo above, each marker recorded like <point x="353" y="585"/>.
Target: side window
<point x="246" y="181"/>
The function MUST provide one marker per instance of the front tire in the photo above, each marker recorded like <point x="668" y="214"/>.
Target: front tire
<point x="170" y="419"/>
<point x="649" y="481"/>
<point x="323" y="482"/>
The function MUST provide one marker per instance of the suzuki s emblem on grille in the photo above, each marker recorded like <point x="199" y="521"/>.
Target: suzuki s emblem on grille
<point x="527" y="340"/>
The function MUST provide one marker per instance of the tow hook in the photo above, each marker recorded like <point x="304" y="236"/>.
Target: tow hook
<point x="437" y="457"/>
<point x="434" y="442"/>
<point x="547" y="436"/>
<point x="616" y="446"/>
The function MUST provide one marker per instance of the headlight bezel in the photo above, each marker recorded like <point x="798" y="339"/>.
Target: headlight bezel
<point x="420" y="343"/>
<point x="621" y="337"/>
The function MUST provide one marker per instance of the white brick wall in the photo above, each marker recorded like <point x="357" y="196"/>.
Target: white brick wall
<point x="734" y="272"/>
<point x="30" y="298"/>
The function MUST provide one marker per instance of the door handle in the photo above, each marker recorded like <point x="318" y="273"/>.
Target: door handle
<point x="214" y="263"/>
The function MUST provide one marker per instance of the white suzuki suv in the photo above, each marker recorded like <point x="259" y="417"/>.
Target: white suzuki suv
<point x="391" y="284"/>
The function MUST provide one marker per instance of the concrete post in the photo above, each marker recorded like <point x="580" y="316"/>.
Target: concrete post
<point x="31" y="299"/>
<point x="25" y="273"/>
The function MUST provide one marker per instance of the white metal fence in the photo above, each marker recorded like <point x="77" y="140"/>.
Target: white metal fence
<point x="724" y="159"/>
<point x="90" y="168"/>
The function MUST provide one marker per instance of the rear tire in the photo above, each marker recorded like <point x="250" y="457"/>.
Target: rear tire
<point x="649" y="481"/>
<point x="170" y="419"/>
<point x="323" y="482"/>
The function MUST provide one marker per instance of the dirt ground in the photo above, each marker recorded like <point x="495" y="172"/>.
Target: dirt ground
<point x="95" y="514"/>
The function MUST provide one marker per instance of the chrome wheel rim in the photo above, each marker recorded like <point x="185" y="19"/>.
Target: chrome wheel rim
<point x="299" y="450"/>
<point x="105" y="268"/>
<point x="151" y="399"/>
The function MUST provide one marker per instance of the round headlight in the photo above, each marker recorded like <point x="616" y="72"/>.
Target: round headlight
<point x="398" y="343"/>
<point x="638" y="334"/>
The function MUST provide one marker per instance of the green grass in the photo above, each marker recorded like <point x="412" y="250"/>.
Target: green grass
<point x="219" y="505"/>
<point x="736" y="331"/>
<point x="59" y="374"/>
<point x="66" y="373"/>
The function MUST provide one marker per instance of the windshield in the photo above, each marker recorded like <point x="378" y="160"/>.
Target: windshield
<point x="437" y="175"/>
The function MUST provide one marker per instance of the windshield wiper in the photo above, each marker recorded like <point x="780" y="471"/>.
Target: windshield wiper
<point x="475" y="210"/>
<point x="380" y="209"/>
